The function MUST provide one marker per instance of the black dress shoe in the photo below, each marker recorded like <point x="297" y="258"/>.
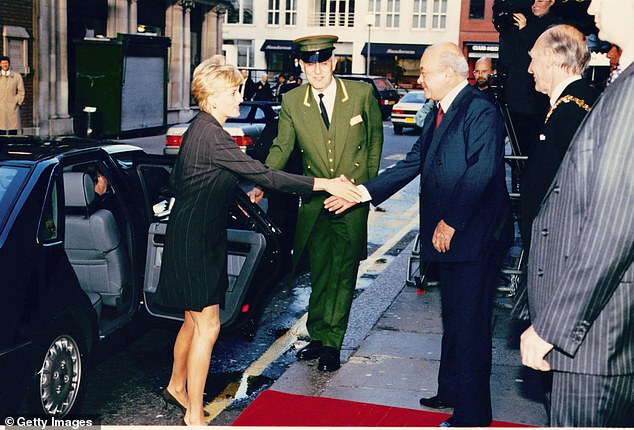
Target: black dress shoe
<point x="311" y="351"/>
<point x="434" y="402"/>
<point x="329" y="359"/>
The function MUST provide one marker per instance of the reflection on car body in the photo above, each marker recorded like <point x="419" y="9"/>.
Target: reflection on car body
<point x="73" y="271"/>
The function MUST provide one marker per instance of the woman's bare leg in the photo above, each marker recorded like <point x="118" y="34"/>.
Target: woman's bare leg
<point x="176" y="386"/>
<point x="206" y="330"/>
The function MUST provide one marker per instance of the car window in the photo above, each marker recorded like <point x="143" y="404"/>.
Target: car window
<point x="259" y="114"/>
<point x="383" y="84"/>
<point x="50" y="216"/>
<point x="244" y="111"/>
<point x="11" y="180"/>
<point x="415" y="97"/>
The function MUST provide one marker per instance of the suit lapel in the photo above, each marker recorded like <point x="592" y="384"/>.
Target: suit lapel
<point x="438" y="133"/>
<point x="340" y="121"/>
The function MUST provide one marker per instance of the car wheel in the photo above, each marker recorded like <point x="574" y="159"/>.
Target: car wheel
<point x="59" y="380"/>
<point x="398" y="129"/>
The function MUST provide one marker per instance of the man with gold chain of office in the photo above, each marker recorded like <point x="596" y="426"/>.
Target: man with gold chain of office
<point x="337" y="125"/>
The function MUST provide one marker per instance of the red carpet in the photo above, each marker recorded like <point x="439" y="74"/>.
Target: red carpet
<point x="274" y="408"/>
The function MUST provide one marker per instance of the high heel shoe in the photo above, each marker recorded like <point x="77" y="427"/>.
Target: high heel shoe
<point x="169" y="398"/>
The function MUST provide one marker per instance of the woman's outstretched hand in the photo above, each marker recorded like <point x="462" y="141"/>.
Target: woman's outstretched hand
<point x="339" y="187"/>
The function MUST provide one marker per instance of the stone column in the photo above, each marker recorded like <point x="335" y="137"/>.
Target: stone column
<point x="177" y="28"/>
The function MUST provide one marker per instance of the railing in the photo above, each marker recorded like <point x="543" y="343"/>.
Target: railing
<point x="334" y="19"/>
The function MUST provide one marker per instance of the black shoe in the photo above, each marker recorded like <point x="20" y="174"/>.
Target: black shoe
<point x="434" y="403"/>
<point x="329" y="359"/>
<point x="169" y="398"/>
<point x="311" y="351"/>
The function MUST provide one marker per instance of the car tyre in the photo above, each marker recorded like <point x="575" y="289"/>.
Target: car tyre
<point x="398" y="129"/>
<point x="59" y="383"/>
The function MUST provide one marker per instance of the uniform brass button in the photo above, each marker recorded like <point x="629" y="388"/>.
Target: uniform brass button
<point x="356" y="164"/>
<point x="331" y="160"/>
<point x="301" y="150"/>
<point x="354" y="181"/>
<point x="359" y="147"/>
<point x="329" y="141"/>
<point x="330" y="150"/>
<point x="332" y="170"/>
<point x="308" y="167"/>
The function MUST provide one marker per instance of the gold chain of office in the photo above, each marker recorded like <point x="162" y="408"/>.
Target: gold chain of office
<point x="567" y="99"/>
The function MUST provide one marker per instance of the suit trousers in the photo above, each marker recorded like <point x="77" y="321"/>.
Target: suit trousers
<point x="580" y="400"/>
<point x="467" y="290"/>
<point x="333" y="276"/>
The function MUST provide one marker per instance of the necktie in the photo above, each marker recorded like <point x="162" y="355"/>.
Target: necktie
<point x="439" y="116"/>
<point x="613" y="75"/>
<point x="324" y="113"/>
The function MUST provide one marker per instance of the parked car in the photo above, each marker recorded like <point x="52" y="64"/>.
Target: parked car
<point x="74" y="270"/>
<point x="245" y="129"/>
<point x="405" y="110"/>
<point x="384" y="91"/>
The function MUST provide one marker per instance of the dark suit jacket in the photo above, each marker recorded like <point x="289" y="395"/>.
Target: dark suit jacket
<point x="462" y="178"/>
<point x="580" y="274"/>
<point x="547" y="153"/>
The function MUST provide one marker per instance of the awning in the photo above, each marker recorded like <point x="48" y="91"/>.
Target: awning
<point x="277" y="45"/>
<point x="484" y="49"/>
<point x="390" y="49"/>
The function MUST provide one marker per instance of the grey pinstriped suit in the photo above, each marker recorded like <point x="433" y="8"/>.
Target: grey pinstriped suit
<point x="580" y="274"/>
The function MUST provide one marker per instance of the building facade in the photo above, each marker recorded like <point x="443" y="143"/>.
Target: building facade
<point x="40" y="37"/>
<point x="478" y="37"/>
<point x="393" y="34"/>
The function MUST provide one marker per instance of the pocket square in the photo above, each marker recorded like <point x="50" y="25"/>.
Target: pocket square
<point x="355" y="120"/>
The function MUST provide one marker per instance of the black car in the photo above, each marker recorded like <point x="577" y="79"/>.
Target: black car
<point x="384" y="91"/>
<point x="75" y="267"/>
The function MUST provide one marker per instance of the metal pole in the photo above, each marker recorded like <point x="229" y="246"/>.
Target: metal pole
<point x="367" y="64"/>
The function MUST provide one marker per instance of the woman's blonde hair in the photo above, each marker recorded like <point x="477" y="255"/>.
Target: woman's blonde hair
<point x="210" y="77"/>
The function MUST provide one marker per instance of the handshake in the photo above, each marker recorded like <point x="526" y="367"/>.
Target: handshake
<point x="345" y="194"/>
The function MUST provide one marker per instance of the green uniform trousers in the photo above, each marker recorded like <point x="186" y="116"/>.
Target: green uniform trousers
<point x="333" y="275"/>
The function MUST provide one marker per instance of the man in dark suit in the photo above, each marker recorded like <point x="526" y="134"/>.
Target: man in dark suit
<point x="247" y="89"/>
<point x="465" y="224"/>
<point x="337" y="126"/>
<point x="518" y="32"/>
<point x="263" y="89"/>
<point x="559" y="58"/>
<point x="580" y="272"/>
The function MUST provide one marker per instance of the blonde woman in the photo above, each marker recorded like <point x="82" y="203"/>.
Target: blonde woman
<point x="194" y="270"/>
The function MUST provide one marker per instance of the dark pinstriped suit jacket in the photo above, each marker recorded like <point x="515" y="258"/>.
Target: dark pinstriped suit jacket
<point x="580" y="274"/>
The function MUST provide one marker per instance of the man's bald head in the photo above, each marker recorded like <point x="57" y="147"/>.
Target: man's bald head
<point x="483" y="68"/>
<point x="442" y="67"/>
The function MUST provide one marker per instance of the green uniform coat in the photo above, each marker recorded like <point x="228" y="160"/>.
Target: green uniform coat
<point x="351" y="147"/>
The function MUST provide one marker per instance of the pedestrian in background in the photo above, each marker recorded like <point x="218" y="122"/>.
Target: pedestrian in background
<point x="11" y="97"/>
<point x="247" y="89"/>
<point x="263" y="89"/>
<point x="580" y="272"/>
<point x="484" y="68"/>
<point x="193" y="275"/>
<point x="337" y="125"/>
<point x="559" y="58"/>
<point x="466" y="225"/>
